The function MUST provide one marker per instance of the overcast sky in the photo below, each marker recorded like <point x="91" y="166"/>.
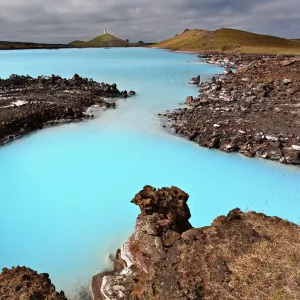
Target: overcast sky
<point x="147" y="20"/>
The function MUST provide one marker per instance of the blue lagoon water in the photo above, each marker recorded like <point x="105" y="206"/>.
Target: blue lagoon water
<point x="66" y="191"/>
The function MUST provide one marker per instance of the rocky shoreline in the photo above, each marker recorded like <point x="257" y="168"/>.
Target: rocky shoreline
<point x="240" y="256"/>
<point x="234" y="60"/>
<point x="28" y="104"/>
<point x="254" y="111"/>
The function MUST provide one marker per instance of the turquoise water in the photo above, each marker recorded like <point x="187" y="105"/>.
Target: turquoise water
<point x="66" y="191"/>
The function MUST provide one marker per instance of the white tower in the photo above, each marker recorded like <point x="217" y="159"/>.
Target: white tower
<point x="104" y="30"/>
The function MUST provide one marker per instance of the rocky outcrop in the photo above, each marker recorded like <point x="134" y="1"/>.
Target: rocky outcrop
<point x="28" y="104"/>
<point x="240" y="256"/>
<point x="195" y="80"/>
<point x="254" y="111"/>
<point x="164" y="216"/>
<point x="21" y="283"/>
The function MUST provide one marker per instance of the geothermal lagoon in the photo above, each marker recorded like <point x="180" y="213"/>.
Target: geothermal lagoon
<point x="66" y="191"/>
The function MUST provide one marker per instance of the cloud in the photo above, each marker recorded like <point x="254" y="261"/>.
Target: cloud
<point x="148" y="20"/>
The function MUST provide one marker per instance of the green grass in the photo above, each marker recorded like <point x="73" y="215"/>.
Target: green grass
<point x="230" y="40"/>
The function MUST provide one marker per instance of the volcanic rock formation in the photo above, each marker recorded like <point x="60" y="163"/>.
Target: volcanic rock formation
<point x="240" y="256"/>
<point x="28" y="104"/>
<point x="254" y="111"/>
<point x="21" y="283"/>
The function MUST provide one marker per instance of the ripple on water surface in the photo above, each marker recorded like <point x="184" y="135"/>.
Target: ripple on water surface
<point x="65" y="191"/>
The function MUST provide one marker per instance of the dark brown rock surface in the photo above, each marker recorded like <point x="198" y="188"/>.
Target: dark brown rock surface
<point x="240" y="256"/>
<point x="28" y="104"/>
<point x="21" y="283"/>
<point x="255" y="111"/>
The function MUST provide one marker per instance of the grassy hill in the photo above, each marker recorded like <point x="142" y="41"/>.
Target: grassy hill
<point x="76" y="43"/>
<point x="230" y="40"/>
<point x="105" y="40"/>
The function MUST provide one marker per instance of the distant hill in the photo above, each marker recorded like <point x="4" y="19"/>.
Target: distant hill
<point x="77" y="43"/>
<point x="230" y="40"/>
<point x="105" y="40"/>
<point x="7" y="45"/>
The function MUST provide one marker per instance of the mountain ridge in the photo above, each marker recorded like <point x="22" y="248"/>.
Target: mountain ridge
<point x="229" y="40"/>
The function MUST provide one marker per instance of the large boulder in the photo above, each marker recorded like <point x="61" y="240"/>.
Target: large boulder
<point x="291" y="157"/>
<point x="287" y="62"/>
<point x="195" y="80"/>
<point x="189" y="100"/>
<point x="168" y="203"/>
<point x="76" y="77"/>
